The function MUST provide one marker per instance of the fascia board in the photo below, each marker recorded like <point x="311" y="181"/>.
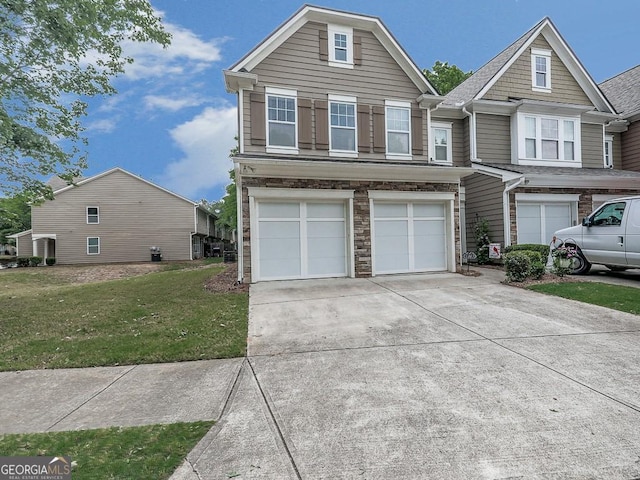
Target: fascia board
<point x="578" y="181"/>
<point x="505" y="175"/>
<point x="319" y="169"/>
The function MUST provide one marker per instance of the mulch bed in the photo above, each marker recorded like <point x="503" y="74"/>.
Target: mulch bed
<point x="226" y="281"/>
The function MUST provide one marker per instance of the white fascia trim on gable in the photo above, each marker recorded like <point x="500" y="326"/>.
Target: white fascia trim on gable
<point x="310" y="13"/>
<point x="566" y="55"/>
<point x="504" y="175"/>
<point x="20" y="234"/>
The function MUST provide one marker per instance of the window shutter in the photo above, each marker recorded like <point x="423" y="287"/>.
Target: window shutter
<point x="379" y="134"/>
<point x="304" y="123"/>
<point x="324" y="45"/>
<point x="364" y="129"/>
<point x="322" y="124"/>
<point x="416" y="131"/>
<point x="258" y="116"/>
<point x="357" y="50"/>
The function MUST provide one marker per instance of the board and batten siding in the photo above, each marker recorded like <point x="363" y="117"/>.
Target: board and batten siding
<point x="516" y="81"/>
<point x="493" y="138"/>
<point x="133" y="216"/>
<point x="630" y="148"/>
<point x="483" y="195"/>
<point x="592" y="146"/>
<point x="296" y="65"/>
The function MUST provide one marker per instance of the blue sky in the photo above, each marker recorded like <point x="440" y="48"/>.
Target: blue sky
<point x="173" y="123"/>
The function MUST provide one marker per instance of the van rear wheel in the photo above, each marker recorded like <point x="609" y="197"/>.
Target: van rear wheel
<point x="579" y="265"/>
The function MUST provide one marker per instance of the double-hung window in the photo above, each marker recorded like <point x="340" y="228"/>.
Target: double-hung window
<point x="340" y="46"/>
<point x="93" y="215"/>
<point x="541" y="69"/>
<point x="342" y="124"/>
<point x="93" y="245"/>
<point x="398" y="121"/>
<point x="548" y="140"/>
<point x="608" y="151"/>
<point x="282" y="127"/>
<point x="441" y="143"/>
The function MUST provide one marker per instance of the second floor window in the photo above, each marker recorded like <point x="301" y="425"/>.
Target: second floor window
<point x="93" y="245"/>
<point x="93" y="215"/>
<point x="398" y="117"/>
<point x="342" y="122"/>
<point x="340" y="46"/>
<point x="441" y="143"/>
<point x="281" y="118"/>
<point x="549" y="139"/>
<point x="608" y="151"/>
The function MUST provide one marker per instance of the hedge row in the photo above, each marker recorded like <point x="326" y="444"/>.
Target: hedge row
<point x="34" y="261"/>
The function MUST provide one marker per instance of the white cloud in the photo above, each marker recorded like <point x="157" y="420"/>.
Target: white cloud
<point x="206" y="141"/>
<point x="187" y="54"/>
<point x="159" y="102"/>
<point x="106" y="125"/>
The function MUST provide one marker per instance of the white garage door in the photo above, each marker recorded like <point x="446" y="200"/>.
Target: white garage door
<point x="409" y="237"/>
<point x="538" y="221"/>
<point x="301" y="240"/>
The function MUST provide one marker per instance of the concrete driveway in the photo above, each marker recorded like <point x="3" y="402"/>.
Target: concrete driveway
<point x="428" y="377"/>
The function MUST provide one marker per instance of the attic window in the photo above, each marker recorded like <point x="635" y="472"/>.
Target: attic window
<point x="340" y="46"/>
<point x="541" y="70"/>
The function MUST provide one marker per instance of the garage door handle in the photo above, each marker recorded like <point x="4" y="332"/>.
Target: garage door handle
<point x="620" y="241"/>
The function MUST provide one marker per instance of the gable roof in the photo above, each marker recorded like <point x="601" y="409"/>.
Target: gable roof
<point x="311" y="13"/>
<point x="476" y="86"/>
<point x="121" y="170"/>
<point x="624" y="91"/>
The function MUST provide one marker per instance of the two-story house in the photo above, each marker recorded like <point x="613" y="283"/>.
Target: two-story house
<point x="543" y="140"/>
<point x="115" y="216"/>
<point x="344" y="168"/>
<point x="623" y="91"/>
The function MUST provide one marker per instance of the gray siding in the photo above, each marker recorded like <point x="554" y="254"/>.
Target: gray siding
<point x="493" y="138"/>
<point x="516" y="81"/>
<point x="202" y="225"/>
<point x="133" y="216"/>
<point x="483" y="199"/>
<point x="296" y="65"/>
<point x="24" y="245"/>
<point x="592" y="146"/>
<point x="617" y="152"/>
<point x="630" y="148"/>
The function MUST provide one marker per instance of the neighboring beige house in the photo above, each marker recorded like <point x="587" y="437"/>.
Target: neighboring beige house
<point x="542" y="138"/>
<point x="116" y="216"/>
<point x="342" y="171"/>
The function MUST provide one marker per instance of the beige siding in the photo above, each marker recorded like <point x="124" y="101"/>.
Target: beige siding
<point x="516" y="81"/>
<point x="494" y="138"/>
<point x="133" y="216"/>
<point x="458" y="143"/>
<point x="466" y="143"/>
<point x="483" y="199"/>
<point x="592" y="146"/>
<point x="617" y="152"/>
<point x="296" y="65"/>
<point x="202" y="226"/>
<point x="24" y="245"/>
<point x="630" y="148"/>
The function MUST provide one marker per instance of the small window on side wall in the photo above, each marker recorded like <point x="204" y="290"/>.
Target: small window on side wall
<point x="340" y="46"/>
<point x="608" y="151"/>
<point x="93" y="215"/>
<point x="93" y="245"/>
<point x="441" y="151"/>
<point x="541" y="70"/>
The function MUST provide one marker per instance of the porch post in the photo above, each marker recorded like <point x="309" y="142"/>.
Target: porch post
<point x="35" y="247"/>
<point x="46" y="251"/>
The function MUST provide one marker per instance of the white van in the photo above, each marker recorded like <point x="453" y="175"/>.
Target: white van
<point x="609" y="236"/>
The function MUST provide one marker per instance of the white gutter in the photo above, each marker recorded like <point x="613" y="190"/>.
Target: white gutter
<point x="507" y="211"/>
<point x="472" y="133"/>
<point x="239" y="223"/>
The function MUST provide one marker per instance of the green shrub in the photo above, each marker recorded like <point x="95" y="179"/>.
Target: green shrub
<point x="542" y="249"/>
<point x="482" y="241"/>
<point x="35" y="261"/>
<point x="517" y="266"/>
<point x="537" y="268"/>
<point x="22" y="261"/>
<point x="50" y="261"/>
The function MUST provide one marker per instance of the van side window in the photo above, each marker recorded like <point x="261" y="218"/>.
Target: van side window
<point x="610" y="214"/>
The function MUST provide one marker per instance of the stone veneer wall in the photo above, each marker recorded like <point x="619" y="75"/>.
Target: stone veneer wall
<point x="585" y="202"/>
<point x="361" y="222"/>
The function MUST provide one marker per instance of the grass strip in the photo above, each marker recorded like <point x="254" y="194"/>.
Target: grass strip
<point x="617" y="297"/>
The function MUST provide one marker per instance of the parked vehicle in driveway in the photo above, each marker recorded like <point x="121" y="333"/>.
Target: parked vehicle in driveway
<point x="609" y="236"/>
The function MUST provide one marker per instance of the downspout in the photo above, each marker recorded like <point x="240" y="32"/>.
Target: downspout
<point x="195" y="227"/>
<point x="239" y="224"/>
<point x="507" y="211"/>
<point x="472" y="133"/>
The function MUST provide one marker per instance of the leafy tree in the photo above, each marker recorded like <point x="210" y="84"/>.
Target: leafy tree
<point x="15" y="216"/>
<point x="53" y="53"/>
<point x="445" y="77"/>
<point x="226" y="208"/>
<point x="482" y="241"/>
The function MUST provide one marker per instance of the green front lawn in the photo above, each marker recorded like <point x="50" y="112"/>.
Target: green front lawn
<point x="149" y="452"/>
<point x="617" y="297"/>
<point x="159" y="317"/>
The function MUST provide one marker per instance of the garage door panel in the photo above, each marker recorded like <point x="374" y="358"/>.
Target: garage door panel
<point x="281" y="230"/>
<point x="326" y="229"/>
<point x="325" y="210"/>
<point x="279" y="210"/>
<point x="428" y="210"/>
<point x="278" y="268"/>
<point x="390" y="210"/>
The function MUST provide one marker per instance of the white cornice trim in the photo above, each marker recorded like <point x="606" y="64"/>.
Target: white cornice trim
<point x="234" y="81"/>
<point x="395" y="195"/>
<point x="581" y="181"/>
<point x="301" y="193"/>
<point x="327" y="170"/>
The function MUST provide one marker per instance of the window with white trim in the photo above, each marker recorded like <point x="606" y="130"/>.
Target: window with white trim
<point x="93" y="245"/>
<point x="282" y="127"/>
<point x="340" y="46"/>
<point x="441" y="143"/>
<point x="608" y="151"/>
<point x="398" y="126"/>
<point x="93" y="215"/>
<point x="548" y="140"/>
<point x="541" y="69"/>
<point x="342" y="124"/>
